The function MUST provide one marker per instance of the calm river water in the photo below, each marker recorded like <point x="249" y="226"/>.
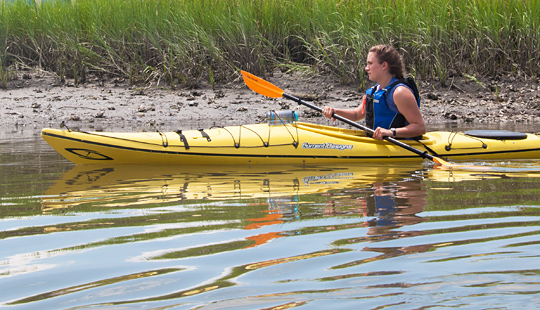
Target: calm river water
<point x="371" y="236"/>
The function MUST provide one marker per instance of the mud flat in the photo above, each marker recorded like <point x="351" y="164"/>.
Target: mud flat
<point x="36" y="99"/>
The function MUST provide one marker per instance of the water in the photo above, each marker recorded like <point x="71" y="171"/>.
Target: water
<point x="393" y="236"/>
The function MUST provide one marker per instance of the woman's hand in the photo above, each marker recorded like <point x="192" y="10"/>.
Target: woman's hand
<point x="329" y="112"/>
<point x="380" y="133"/>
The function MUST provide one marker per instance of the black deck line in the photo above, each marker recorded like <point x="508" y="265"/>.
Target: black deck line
<point x="222" y="154"/>
<point x="489" y="153"/>
<point x="274" y="156"/>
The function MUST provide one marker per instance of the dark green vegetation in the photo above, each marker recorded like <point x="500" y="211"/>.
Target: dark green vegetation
<point x="187" y="42"/>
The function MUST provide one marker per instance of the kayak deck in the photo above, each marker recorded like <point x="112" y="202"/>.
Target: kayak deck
<point x="295" y="143"/>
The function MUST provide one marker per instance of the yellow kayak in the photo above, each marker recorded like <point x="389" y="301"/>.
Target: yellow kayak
<point x="293" y="143"/>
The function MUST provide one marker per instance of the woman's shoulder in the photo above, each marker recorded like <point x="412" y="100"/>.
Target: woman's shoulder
<point x="402" y="94"/>
<point x="402" y="90"/>
<point x="407" y="83"/>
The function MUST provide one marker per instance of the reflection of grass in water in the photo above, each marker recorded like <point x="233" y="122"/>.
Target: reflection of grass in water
<point x="105" y="282"/>
<point x="515" y="182"/>
<point x="505" y="191"/>
<point x="206" y="250"/>
<point x="520" y="168"/>
<point x="228" y="279"/>
<point x="186" y="42"/>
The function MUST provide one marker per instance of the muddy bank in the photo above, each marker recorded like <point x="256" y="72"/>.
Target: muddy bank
<point x="36" y="100"/>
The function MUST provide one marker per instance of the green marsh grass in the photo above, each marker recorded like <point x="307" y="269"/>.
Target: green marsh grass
<point x="185" y="42"/>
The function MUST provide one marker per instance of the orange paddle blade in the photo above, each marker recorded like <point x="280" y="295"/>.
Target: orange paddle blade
<point x="442" y="162"/>
<point x="261" y="86"/>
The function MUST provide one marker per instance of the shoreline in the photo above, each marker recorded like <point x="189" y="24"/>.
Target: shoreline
<point x="35" y="100"/>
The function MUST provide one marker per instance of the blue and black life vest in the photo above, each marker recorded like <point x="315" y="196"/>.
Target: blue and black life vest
<point x="381" y="111"/>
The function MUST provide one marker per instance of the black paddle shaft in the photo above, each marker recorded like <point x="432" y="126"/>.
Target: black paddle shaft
<point x="360" y="126"/>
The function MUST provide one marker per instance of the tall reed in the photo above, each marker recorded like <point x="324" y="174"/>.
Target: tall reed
<point x="185" y="42"/>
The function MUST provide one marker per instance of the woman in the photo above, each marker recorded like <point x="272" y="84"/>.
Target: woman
<point x="390" y="106"/>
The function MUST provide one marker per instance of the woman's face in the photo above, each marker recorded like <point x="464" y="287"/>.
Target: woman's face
<point x="374" y="69"/>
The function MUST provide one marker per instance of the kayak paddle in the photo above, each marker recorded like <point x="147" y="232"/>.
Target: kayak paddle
<point x="267" y="89"/>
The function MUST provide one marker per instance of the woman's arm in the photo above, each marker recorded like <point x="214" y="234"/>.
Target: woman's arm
<point x="355" y="114"/>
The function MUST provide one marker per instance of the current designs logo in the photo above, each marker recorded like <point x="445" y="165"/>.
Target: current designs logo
<point x="327" y="146"/>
